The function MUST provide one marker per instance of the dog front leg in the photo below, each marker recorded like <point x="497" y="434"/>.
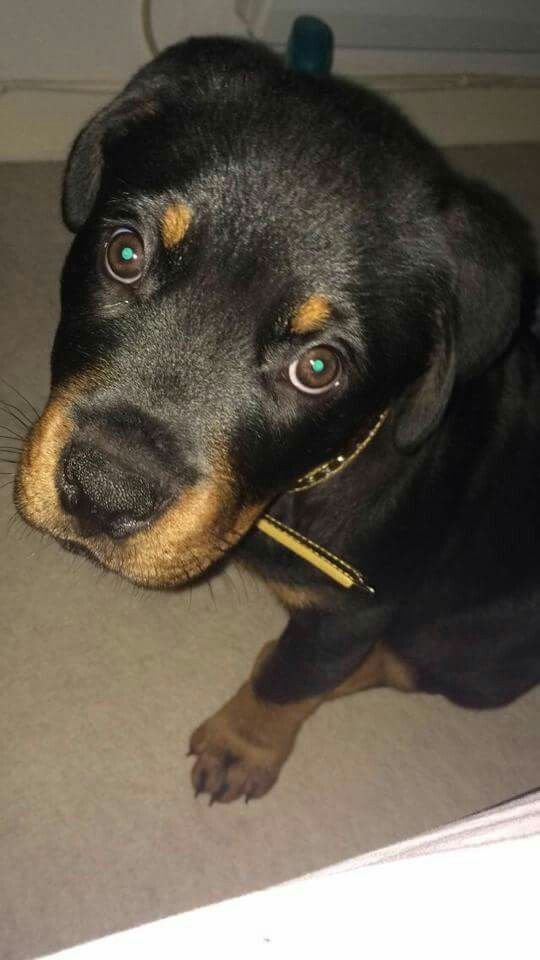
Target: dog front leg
<point x="241" y="749"/>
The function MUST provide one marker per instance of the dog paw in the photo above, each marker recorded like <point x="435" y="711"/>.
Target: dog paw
<point x="241" y="749"/>
<point x="228" y="766"/>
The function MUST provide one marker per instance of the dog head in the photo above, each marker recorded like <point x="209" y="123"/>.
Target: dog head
<point x="262" y="262"/>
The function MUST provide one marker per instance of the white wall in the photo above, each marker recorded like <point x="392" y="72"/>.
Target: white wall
<point x="61" y="59"/>
<point x="409" y="24"/>
<point x="103" y="39"/>
<point x="98" y="39"/>
<point x="70" y="39"/>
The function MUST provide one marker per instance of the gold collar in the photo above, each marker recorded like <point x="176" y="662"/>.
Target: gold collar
<point x="330" y="467"/>
<point x="325" y="561"/>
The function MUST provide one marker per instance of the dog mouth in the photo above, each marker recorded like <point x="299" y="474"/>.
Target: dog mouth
<point x="193" y="533"/>
<point x="80" y="549"/>
<point x="196" y="572"/>
<point x="180" y="547"/>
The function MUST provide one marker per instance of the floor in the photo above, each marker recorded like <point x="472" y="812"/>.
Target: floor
<point x="101" y="685"/>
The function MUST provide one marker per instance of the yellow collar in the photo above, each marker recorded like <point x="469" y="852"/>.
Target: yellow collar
<point x="319" y="557"/>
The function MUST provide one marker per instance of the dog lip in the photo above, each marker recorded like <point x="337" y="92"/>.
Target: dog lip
<point x="72" y="546"/>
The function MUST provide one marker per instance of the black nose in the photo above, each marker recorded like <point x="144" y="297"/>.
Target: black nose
<point x="120" y="469"/>
<point x="105" y="493"/>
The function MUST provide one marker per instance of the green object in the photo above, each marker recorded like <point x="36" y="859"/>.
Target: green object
<point x="317" y="365"/>
<point x="127" y="253"/>
<point x="310" y="46"/>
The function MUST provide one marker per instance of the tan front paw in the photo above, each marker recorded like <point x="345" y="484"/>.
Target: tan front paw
<point x="228" y="776"/>
<point x="241" y="749"/>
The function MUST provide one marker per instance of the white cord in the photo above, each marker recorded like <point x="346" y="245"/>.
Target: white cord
<point x="39" y="85"/>
<point x="385" y="84"/>
<point x="147" y="28"/>
<point x="254" y="31"/>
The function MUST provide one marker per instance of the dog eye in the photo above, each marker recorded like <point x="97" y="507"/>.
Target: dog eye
<point x="316" y="371"/>
<point x="124" y="255"/>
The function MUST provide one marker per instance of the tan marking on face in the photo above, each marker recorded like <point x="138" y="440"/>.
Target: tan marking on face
<point x="294" y="597"/>
<point x="174" y="224"/>
<point x="187" y="538"/>
<point x="311" y="315"/>
<point x="36" y="495"/>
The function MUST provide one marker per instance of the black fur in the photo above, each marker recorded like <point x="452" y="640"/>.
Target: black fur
<point x="301" y="185"/>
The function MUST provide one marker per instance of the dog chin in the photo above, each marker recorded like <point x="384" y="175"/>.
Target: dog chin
<point x="179" y="547"/>
<point x="72" y="546"/>
<point x="135" y="569"/>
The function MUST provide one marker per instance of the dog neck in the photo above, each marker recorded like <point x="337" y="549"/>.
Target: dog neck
<point x="328" y="563"/>
<point x="330" y="467"/>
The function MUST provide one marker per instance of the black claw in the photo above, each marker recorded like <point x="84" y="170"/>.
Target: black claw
<point x="248" y="797"/>
<point x="190" y="753"/>
<point x="218" y="794"/>
<point x="201" y="783"/>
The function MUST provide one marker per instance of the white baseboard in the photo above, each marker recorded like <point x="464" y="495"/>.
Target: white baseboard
<point x="40" y="124"/>
<point x="470" y="111"/>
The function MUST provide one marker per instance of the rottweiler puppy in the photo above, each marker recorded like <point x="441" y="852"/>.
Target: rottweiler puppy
<point x="281" y="298"/>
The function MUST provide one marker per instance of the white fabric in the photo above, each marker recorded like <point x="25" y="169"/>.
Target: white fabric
<point x="467" y="890"/>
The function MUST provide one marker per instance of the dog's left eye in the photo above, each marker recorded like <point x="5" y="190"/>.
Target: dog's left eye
<point x="316" y="371"/>
<point x="124" y="255"/>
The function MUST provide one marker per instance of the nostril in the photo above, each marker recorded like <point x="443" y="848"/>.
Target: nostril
<point x="67" y="467"/>
<point x="69" y="489"/>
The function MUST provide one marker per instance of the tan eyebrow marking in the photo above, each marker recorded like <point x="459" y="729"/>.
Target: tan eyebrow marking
<point x="312" y="314"/>
<point x="174" y="224"/>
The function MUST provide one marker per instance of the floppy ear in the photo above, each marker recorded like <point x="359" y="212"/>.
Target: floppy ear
<point x="83" y="172"/>
<point x="84" y="168"/>
<point x="490" y="248"/>
<point x="85" y="162"/>
<point x="422" y="407"/>
<point x="489" y="245"/>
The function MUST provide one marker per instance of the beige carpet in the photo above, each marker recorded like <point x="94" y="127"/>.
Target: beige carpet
<point x="101" y="686"/>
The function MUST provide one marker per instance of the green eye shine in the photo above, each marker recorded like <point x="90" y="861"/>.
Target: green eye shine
<point x="317" y="365"/>
<point x="128" y="253"/>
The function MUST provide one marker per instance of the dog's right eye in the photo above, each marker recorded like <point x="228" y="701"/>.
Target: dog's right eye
<point x="124" y="255"/>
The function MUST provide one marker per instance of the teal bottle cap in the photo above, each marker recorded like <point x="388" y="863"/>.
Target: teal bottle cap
<point x="310" y="46"/>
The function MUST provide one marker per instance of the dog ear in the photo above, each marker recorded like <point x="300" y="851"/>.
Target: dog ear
<point x="490" y="249"/>
<point x="422" y="406"/>
<point x="489" y="244"/>
<point x="83" y="172"/>
<point x="84" y="168"/>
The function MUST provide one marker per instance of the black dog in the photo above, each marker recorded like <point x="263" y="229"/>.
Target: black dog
<point x="268" y="271"/>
